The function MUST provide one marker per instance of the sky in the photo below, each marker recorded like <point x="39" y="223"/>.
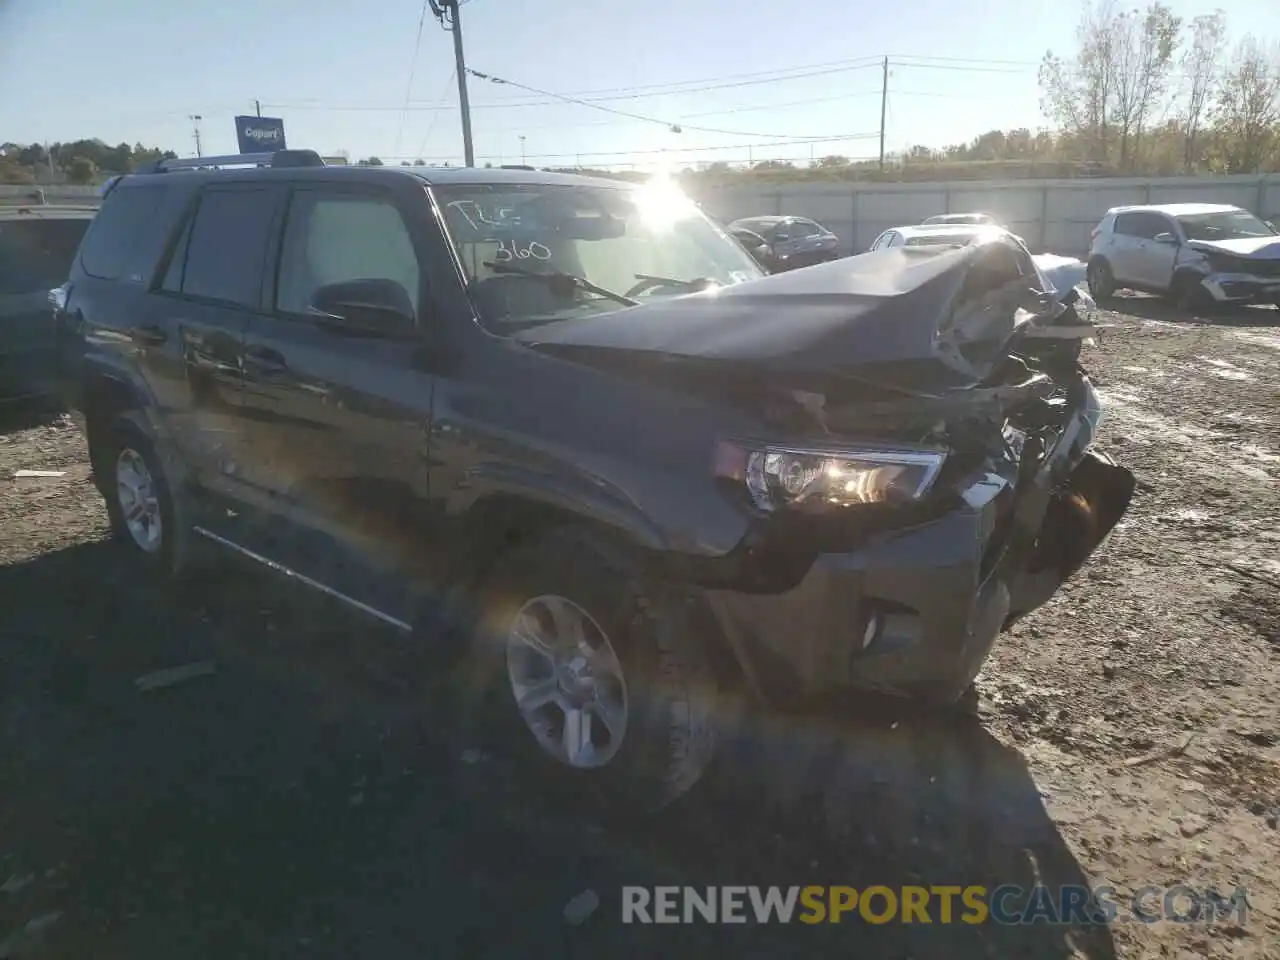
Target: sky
<point x="764" y="82"/>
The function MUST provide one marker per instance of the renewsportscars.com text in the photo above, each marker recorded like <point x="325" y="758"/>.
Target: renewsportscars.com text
<point x="937" y="904"/>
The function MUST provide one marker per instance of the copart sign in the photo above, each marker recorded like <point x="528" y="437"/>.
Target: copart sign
<point x="260" y="134"/>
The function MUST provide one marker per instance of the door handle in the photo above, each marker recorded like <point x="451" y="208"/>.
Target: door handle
<point x="148" y="334"/>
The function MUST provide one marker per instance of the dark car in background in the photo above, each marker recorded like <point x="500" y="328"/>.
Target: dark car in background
<point x="37" y="245"/>
<point x="790" y="242"/>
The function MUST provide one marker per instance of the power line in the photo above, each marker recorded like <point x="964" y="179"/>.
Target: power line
<point x="705" y="113"/>
<point x="957" y="68"/>
<point x="672" y="151"/>
<point x="436" y="116"/>
<point x="610" y="94"/>
<point x="413" y="69"/>
<point x="831" y="66"/>
<point x="673" y="127"/>
<point x="973" y="60"/>
<point x="639" y="93"/>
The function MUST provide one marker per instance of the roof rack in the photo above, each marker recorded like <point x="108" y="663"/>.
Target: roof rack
<point x="279" y="158"/>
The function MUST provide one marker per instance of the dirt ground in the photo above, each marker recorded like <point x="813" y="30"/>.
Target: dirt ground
<point x="303" y="802"/>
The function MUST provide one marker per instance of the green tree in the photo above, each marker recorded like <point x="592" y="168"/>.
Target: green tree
<point x="81" y="170"/>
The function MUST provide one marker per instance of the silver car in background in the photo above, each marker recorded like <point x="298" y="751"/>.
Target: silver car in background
<point x="1197" y="254"/>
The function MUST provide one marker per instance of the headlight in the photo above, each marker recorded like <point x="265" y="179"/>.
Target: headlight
<point x="786" y="477"/>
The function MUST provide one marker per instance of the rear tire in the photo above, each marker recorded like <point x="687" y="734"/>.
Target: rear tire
<point x="1102" y="282"/>
<point x="140" y="503"/>
<point x="644" y="736"/>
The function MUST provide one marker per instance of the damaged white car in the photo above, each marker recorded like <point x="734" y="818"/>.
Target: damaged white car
<point x="1197" y="254"/>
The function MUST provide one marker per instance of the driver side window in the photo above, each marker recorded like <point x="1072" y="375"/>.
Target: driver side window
<point x="330" y="238"/>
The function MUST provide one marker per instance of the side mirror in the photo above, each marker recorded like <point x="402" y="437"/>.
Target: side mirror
<point x="756" y="245"/>
<point x="1167" y="238"/>
<point x="748" y="238"/>
<point x="366" y="308"/>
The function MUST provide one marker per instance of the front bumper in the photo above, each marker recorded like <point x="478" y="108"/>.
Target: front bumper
<point x="930" y="601"/>
<point x="1242" y="288"/>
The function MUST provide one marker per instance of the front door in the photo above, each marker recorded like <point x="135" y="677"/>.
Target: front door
<point x="338" y="424"/>
<point x="1155" y="267"/>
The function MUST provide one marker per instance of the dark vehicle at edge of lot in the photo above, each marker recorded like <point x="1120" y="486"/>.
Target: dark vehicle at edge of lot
<point x="789" y="242"/>
<point x="601" y="479"/>
<point x="37" y="245"/>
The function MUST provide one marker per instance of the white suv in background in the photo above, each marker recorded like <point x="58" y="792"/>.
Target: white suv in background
<point x="1196" y="254"/>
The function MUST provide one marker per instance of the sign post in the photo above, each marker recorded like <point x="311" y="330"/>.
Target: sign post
<point x="260" y="134"/>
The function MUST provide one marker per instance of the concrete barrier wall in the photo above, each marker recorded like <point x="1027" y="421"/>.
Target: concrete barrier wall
<point x="1052" y="215"/>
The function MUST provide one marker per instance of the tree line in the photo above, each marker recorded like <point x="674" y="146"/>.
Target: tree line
<point x="1140" y="92"/>
<point x="80" y="161"/>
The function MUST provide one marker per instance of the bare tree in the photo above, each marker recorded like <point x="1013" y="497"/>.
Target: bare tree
<point x="1201" y="66"/>
<point x="1143" y="46"/>
<point x="1249" y="106"/>
<point x="1075" y="92"/>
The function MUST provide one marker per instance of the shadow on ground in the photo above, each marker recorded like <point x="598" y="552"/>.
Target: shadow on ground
<point x="291" y="806"/>
<point x="27" y="412"/>
<point x="1146" y="307"/>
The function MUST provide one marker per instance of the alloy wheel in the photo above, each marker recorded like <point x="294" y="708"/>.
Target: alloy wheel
<point x="567" y="682"/>
<point x="139" y="501"/>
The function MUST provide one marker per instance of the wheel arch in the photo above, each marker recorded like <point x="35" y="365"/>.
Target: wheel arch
<point x="503" y="521"/>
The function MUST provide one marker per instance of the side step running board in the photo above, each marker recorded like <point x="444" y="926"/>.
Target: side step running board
<point x="281" y="569"/>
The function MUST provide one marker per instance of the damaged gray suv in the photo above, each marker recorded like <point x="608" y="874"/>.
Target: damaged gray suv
<point x="567" y="436"/>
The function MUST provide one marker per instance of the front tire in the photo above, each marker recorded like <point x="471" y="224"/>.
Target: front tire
<point x="584" y="671"/>
<point x="1188" y="294"/>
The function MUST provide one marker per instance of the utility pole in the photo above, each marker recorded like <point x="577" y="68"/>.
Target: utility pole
<point x="195" y="131"/>
<point x="884" y="106"/>
<point x="446" y="11"/>
<point x="523" y="162"/>
<point x="257" y="105"/>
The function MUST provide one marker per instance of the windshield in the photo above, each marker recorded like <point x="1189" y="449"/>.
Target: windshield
<point x="1224" y="225"/>
<point x="641" y="243"/>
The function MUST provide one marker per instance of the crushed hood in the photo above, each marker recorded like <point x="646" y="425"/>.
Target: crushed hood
<point x="887" y="317"/>
<point x="1253" y="248"/>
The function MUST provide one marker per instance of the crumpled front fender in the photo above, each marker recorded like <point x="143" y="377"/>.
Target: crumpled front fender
<point x="1080" y="518"/>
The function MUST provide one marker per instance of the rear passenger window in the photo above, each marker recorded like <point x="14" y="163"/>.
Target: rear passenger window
<point x="330" y="238"/>
<point x="129" y="233"/>
<point x="1142" y="225"/>
<point x="228" y="245"/>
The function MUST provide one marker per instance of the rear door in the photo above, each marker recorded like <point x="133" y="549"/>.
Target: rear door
<point x="211" y="285"/>
<point x="1130" y="241"/>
